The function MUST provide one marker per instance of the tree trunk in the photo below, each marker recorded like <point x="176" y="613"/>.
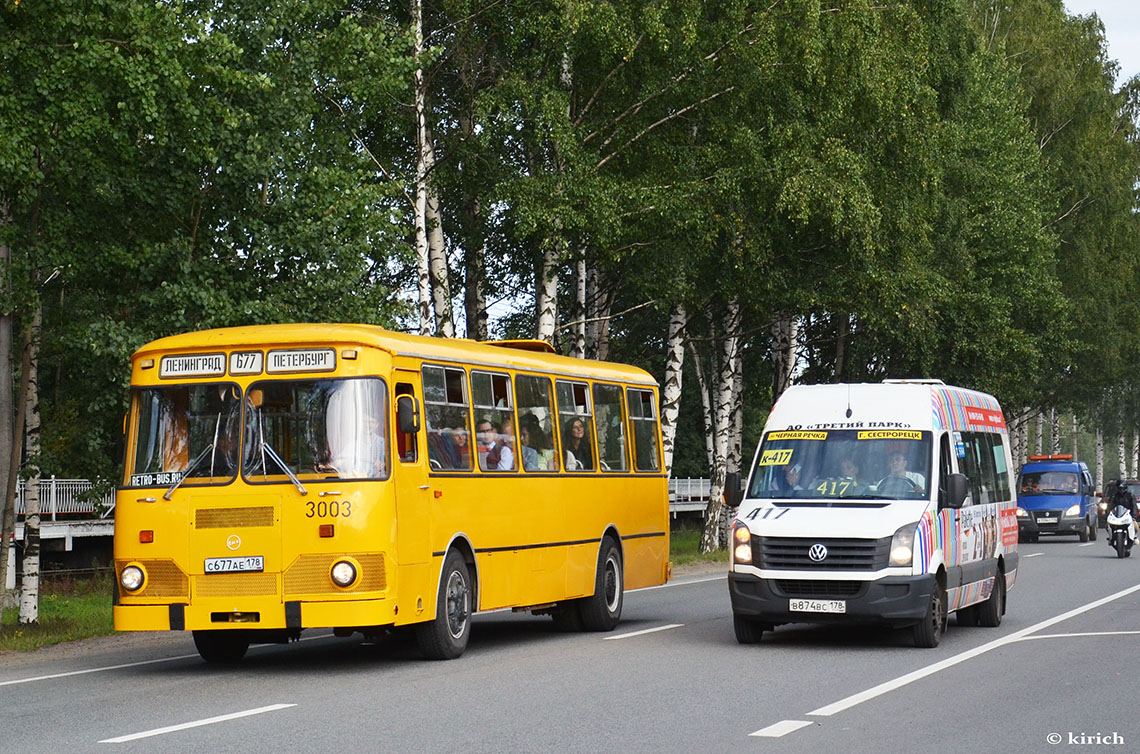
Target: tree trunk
<point x="1040" y="433"/>
<point x="437" y="259"/>
<point x="1099" y="459"/>
<point x="671" y="390"/>
<point x="1075" y="432"/>
<point x="30" y="579"/>
<point x="1135" y="468"/>
<point x="601" y="304"/>
<point x="6" y="429"/>
<point x="785" y="332"/>
<point x="423" y="269"/>
<point x="736" y="429"/>
<point x="722" y="405"/>
<point x="475" y="253"/>
<point x="13" y="461"/>
<point x="1121" y="451"/>
<point x="578" y="349"/>
<point x="546" y="294"/>
<point x="843" y="326"/>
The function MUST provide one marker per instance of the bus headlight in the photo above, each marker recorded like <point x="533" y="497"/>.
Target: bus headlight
<point x="741" y="544"/>
<point x="902" y="545"/>
<point x="343" y="573"/>
<point x="132" y="578"/>
<point x="1074" y="510"/>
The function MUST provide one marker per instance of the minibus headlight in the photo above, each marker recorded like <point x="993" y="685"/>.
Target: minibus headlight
<point x="1022" y="513"/>
<point x="132" y="578"/>
<point x="741" y="544"/>
<point x="343" y="573"/>
<point x="1074" y="510"/>
<point x="902" y="545"/>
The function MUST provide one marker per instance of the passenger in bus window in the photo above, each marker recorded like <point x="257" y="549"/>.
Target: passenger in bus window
<point x="527" y="448"/>
<point x="494" y="454"/>
<point x="461" y="446"/>
<point x="576" y="446"/>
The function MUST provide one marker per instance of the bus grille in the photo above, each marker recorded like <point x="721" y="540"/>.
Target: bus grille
<point x="163" y="579"/>
<point x="842" y="554"/>
<point x="235" y="584"/>
<point x="309" y="574"/>
<point x="819" y="589"/>
<point x="225" y="518"/>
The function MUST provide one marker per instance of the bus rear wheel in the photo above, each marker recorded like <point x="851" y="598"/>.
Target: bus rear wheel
<point x="445" y="637"/>
<point x="221" y="647"/>
<point x="602" y="611"/>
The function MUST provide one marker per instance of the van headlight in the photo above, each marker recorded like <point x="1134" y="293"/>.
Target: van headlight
<point x="132" y="578"/>
<point x="741" y="544"/>
<point x="1022" y="513"/>
<point x="1074" y="510"/>
<point x="902" y="545"/>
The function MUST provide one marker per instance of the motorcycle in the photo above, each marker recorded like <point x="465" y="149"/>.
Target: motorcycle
<point x="1120" y="531"/>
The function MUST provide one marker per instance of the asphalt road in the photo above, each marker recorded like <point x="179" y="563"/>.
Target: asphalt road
<point x="671" y="678"/>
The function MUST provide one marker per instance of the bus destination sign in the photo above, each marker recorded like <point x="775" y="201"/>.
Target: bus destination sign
<point x="301" y="360"/>
<point x="193" y="365"/>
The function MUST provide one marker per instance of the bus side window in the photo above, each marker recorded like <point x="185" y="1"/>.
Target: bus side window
<point x="643" y="416"/>
<point x="944" y="467"/>
<point x="405" y="442"/>
<point x="610" y="416"/>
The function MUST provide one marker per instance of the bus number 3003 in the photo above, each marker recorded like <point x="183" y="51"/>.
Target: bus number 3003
<point x="329" y="509"/>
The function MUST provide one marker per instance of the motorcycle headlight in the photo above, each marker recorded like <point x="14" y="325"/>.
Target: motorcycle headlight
<point x="741" y="544"/>
<point x="1103" y="506"/>
<point x="1074" y="510"/>
<point x="902" y="545"/>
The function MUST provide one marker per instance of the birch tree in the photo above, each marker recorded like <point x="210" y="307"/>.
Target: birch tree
<point x="30" y="566"/>
<point x="672" y="384"/>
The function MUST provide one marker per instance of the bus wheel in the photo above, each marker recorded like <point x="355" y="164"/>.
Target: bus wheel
<point x="602" y="611"/>
<point x="990" y="611"/>
<point x="445" y="638"/>
<point x="928" y="632"/>
<point x="747" y="631"/>
<point x="221" y="646"/>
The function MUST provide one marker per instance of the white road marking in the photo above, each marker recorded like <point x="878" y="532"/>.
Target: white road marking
<point x="720" y="577"/>
<point x="195" y="724"/>
<point x="1085" y="633"/>
<point x="1033" y="555"/>
<point x="781" y="728"/>
<point x="884" y="688"/>
<point x="1087" y="544"/>
<point x="643" y="632"/>
<point x="95" y="670"/>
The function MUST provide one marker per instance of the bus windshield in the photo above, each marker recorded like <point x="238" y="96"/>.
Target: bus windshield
<point x="849" y="463"/>
<point x="317" y="429"/>
<point x="185" y="431"/>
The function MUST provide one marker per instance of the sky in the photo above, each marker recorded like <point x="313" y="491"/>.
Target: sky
<point x="1121" y="19"/>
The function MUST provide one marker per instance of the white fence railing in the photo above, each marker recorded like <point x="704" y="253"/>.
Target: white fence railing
<point x="61" y="497"/>
<point x="687" y="495"/>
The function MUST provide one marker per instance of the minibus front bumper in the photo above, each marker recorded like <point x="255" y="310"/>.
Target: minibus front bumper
<point x="892" y="600"/>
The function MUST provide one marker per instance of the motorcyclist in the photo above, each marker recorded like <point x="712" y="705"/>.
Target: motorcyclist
<point x="1123" y="496"/>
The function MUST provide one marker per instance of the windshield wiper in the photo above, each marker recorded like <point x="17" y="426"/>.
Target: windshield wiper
<point x="193" y="465"/>
<point x="267" y="448"/>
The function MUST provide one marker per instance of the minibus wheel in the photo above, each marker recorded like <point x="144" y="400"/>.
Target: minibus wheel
<point x="991" y="611"/>
<point x="602" y="611"/>
<point x="747" y="631"/>
<point x="928" y="632"/>
<point x="221" y="646"/>
<point x="445" y="637"/>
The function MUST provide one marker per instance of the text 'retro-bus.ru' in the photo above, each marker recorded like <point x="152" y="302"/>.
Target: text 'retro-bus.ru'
<point x="287" y="477"/>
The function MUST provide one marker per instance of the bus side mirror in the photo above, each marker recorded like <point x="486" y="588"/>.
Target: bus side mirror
<point x="733" y="492"/>
<point x="407" y="414"/>
<point x="957" y="487"/>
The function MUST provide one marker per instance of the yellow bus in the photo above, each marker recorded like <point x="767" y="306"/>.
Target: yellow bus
<point x="343" y="476"/>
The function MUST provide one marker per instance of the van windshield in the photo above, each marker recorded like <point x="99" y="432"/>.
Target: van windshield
<point x="847" y="463"/>
<point x="1048" y="483"/>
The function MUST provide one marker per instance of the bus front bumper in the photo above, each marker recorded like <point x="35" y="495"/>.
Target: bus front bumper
<point x="893" y="600"/>
<point x="254" y="615"/>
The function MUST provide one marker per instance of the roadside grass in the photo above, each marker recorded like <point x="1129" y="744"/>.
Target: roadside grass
<point x="685" y="546"/>
<point x="69" y="609"/>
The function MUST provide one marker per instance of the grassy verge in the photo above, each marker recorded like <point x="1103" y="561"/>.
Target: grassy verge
<point x="71" y="609"/>
<point x="685" y="547"/>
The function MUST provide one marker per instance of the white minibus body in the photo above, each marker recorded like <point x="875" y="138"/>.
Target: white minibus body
<point x="883" y="503"/>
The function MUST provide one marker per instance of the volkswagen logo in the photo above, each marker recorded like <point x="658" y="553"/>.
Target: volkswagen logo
<point x="234" y="541"/>
<point x="818" y="553"/>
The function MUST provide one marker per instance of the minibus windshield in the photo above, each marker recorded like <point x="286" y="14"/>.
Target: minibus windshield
<point x="847" y="463"/>
<point x="315" y="429"/>
<point x="185" y="433"/>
